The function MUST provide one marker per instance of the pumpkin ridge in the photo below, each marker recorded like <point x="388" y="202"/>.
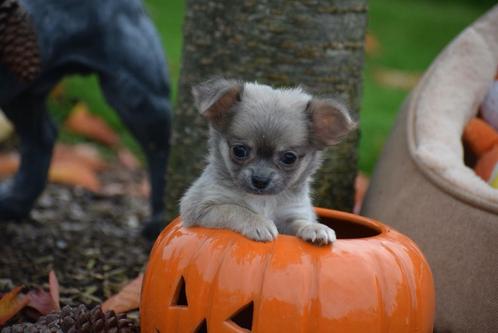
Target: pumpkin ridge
<point x="227" y="248"/>
<point x="257" y="302"/>
<point x="165" y="236"/>
<point x="312" y="325"/>
<point x="406" y="281"/>
<point x="380" y="285"/>
<point x="195" y="256"/>
<point x="414" y="249"/>
<point x="380" y="302"/>
<point x="175" y="229"/>
<point x="195" y="253"/>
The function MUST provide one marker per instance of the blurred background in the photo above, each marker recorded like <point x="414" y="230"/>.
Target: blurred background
<point x="403" y="38"/>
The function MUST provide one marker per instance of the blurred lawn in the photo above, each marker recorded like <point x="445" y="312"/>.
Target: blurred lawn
<point x="410" y="34"/>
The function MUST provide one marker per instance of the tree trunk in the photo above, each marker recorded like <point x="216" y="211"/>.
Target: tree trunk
<point x="315" y="43"/>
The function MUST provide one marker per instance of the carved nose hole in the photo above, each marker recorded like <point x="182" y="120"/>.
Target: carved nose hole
<point x="243" y="318"/>
<point x="180" y="297"/>
<point x="202" y="328"/>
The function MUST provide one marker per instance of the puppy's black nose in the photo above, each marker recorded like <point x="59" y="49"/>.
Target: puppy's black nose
<point x="260" y="182"/>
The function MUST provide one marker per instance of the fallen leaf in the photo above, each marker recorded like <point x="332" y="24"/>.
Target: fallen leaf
<point x="54" y="289"/>
<point x="81" y="121"/>
<point x="9" y="163"/>
<point x="396" y="79"/>
<point x="11" y="303"/>
<point x="41" y="301"/>
<point x="70" y="167"/>
<point x="127" y="158"/>
<point x="85" y="154"/>
<point x="127" y="299"/>
<point x="74" y="174"/>
<point x="361" y="187"/>
<point x="372" y="44"/>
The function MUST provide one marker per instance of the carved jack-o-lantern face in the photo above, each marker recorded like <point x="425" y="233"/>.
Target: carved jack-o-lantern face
<point x="372" y="279"/>
<point x="242" y="319"/>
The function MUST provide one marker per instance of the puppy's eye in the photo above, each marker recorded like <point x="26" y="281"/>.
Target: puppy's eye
<point x="288" y="158"/>
<point x="241" y="152"/>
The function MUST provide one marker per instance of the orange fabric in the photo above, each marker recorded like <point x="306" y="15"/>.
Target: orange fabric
<point x="484" y="167"/>
<point x="479" y="136"/>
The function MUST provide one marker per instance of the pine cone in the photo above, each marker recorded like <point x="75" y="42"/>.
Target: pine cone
<point x="18" y="44"/>
<point x="28" y="328"/>
<point x="78" y="320"/>
<point x="82" y="320"/>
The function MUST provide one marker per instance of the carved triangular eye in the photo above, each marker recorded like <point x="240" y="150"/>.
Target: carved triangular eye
<point x="243" y="317"/>
<point x="202" y="328"/>
<point x="180" y="297"/>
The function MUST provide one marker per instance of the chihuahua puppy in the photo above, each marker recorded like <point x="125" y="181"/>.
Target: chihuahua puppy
<point x="264" y="146"/>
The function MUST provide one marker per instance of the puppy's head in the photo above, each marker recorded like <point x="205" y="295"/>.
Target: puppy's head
<point x="265" y="139"/>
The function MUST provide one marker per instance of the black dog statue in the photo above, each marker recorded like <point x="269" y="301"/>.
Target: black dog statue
<point x="114" y="39"/>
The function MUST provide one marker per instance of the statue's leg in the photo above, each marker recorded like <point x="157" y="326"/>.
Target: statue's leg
<point x="147" y="116"/>
<point x="134" y="79"/>
<point x="37" y="134"/>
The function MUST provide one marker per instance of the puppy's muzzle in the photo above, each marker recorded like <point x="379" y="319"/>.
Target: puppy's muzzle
<point x="260" y="182"/>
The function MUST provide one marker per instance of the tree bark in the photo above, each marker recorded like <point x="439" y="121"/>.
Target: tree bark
<point x="314" y="43"/>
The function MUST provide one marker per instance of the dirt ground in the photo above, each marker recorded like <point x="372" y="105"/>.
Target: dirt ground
<point x="91" y="241"/>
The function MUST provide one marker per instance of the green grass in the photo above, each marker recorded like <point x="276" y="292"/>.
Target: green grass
<point x="411" y="34"/>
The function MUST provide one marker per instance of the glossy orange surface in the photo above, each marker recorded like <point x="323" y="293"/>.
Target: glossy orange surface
<point x="372" y="279"/>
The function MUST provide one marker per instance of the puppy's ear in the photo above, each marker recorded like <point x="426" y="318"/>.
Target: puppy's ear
<point x="215" y="98"/>
<point x="330" y="122"/>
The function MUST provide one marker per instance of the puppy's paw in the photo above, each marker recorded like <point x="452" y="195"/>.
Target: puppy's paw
<point x="316" y="233"/>
<point x="260" y="230"/>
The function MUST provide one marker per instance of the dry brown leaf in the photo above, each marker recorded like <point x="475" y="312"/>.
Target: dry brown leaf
<point x="9" y="163"/>
<point x="75" y="174"/>
<point x="76" y="167"/>
<point x="81" y="121"/>
<point x="41" y="301"/>
<point x="361" y="187"/>
<point x="127" y="299"/>
<point x="84" y="154"/>
<point x="127" y="158"/>
<point x="53" y="284"/>
<point x="11" y="303"/>
<point x="372" y="44"/>
<point x="396" y="79"/>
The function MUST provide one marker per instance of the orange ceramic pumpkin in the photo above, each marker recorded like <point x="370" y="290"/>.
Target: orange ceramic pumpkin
<point x="372" y="279"/>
